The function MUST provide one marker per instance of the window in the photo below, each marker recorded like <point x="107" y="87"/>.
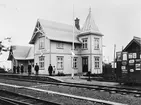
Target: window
<point x="76" y="47"/>
<point x="60" y="62"/>
<point x="75" y="62"/>
<point x="96" y="62"/>
<point x="41" y="62"/>
<point x="96" y="43"/>
<point x="84" y="43"/>
<point x="60" y="45"/>
<point x="41" y="43"/>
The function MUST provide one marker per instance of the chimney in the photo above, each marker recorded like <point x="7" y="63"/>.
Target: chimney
<point x="77" y="23"/>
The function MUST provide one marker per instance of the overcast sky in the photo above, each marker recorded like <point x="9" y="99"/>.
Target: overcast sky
<point x="118" y="20"/>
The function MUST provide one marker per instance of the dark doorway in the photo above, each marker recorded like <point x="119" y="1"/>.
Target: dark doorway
<point x="84" y="64"/>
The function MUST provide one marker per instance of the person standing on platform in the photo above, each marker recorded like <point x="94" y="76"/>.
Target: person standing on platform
<point x="29" y="69"/>
<point x="36" y="69"/>
<point x="14" y="69"/>
<point x="22" y="68"/>
<point x="18" y="69"/>
<point x="50" y="69"/>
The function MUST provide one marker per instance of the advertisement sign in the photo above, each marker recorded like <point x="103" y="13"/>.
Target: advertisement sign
<point x="131" y="61"/>
<point x="138" y="60"/>
<point x="138" y="66"/>
<point x="134" y="55"/>
<point x="124" y="63"/>
<point x="123" y="67"/>
<point x="124" y="71"/>
<point x="131" y="70"/>
<point x="124" y="56"/>
<point x="118" y="56"/>
<point x="130" y="55"/>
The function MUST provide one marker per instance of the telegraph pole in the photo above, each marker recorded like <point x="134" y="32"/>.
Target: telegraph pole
<point x="72" y="75"/>
<point x="114" y="55"/>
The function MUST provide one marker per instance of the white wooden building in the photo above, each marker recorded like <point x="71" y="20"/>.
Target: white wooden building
<point x="53" y="43"/>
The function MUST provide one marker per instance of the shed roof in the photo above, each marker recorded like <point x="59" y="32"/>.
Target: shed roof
<point x="22" y="52"/>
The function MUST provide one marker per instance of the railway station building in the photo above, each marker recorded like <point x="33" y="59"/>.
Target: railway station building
<point x="53" y="44"/>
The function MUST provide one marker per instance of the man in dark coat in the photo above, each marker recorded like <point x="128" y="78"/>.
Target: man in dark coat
<point x="50" y="69"/>
<point x="29" y="69"/>
<point x="18" y="69"/>
<point x="14" y="69"/>
<point x="36" y="68"/>
<point x="22" y="68"/>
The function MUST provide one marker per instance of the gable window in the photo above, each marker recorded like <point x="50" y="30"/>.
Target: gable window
<point x="41" y="62"/>
<point x="75" y="62"/>
<point x="41" y="43"/>
<point x="96" y="43"/>
<point x="60" y="45"/>
<point x="85" y="43"/>
<point x="97" y="62"/>
<point x="60" y="62"/>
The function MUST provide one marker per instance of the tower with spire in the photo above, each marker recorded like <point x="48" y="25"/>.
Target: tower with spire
<point x="91" y="52"/>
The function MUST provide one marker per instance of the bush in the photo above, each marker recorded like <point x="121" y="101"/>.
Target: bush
<point x="60" y="74"/>
<point x="2" y="70"/>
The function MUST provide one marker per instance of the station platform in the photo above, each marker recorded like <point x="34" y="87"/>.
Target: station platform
<point x="76" y="79"/>
<point x="83" y="80"/>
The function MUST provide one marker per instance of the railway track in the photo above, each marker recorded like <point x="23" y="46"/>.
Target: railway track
<point x="111" y="89"/>
<point x="12" y="98"/>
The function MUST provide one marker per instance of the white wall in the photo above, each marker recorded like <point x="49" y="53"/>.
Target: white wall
<point x="91" y="52"/>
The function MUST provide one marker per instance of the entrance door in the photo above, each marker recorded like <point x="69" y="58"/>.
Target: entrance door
<point x="84" y="64"/>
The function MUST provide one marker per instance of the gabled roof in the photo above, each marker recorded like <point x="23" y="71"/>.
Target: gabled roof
<point x="22" y="52"/>
<point x="136" y="40"/>
<point x="89" y="26"/>
<point x="56" y="31"/>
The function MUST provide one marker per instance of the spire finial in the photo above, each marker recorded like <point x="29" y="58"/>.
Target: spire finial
<point x="90" y="10"/>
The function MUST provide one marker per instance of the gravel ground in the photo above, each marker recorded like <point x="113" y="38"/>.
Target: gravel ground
<point x="51" y="97"/>
<point x="128" y="99"/>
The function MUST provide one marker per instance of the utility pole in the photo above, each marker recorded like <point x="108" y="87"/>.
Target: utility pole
<point x="114" y="54"/>
<point x="72" y="75"/>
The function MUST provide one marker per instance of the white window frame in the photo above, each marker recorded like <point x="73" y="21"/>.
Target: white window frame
<point x="75" y="63"/>
<point x="96" y="43"/>
<point x="41" y="62"/>
<point x="96" y="62"/>
<point x="60" y="62"/>
<point x="85" y="43"/>
<point x="59" y="45"/>
<point x="41" y="42"/>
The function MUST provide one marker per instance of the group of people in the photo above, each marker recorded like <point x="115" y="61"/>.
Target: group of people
<point x="20" y="69"/>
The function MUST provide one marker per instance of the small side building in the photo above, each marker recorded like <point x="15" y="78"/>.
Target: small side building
<point x="21" y="55"/>
<point x="129" y="62"/>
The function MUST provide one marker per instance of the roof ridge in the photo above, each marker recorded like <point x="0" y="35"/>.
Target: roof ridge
<point x="54" y="21"/>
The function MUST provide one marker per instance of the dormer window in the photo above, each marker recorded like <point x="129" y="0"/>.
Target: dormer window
<point x="60" y="45"/>
<point x="85" y="43"/>
<point x="96" y="44"/>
